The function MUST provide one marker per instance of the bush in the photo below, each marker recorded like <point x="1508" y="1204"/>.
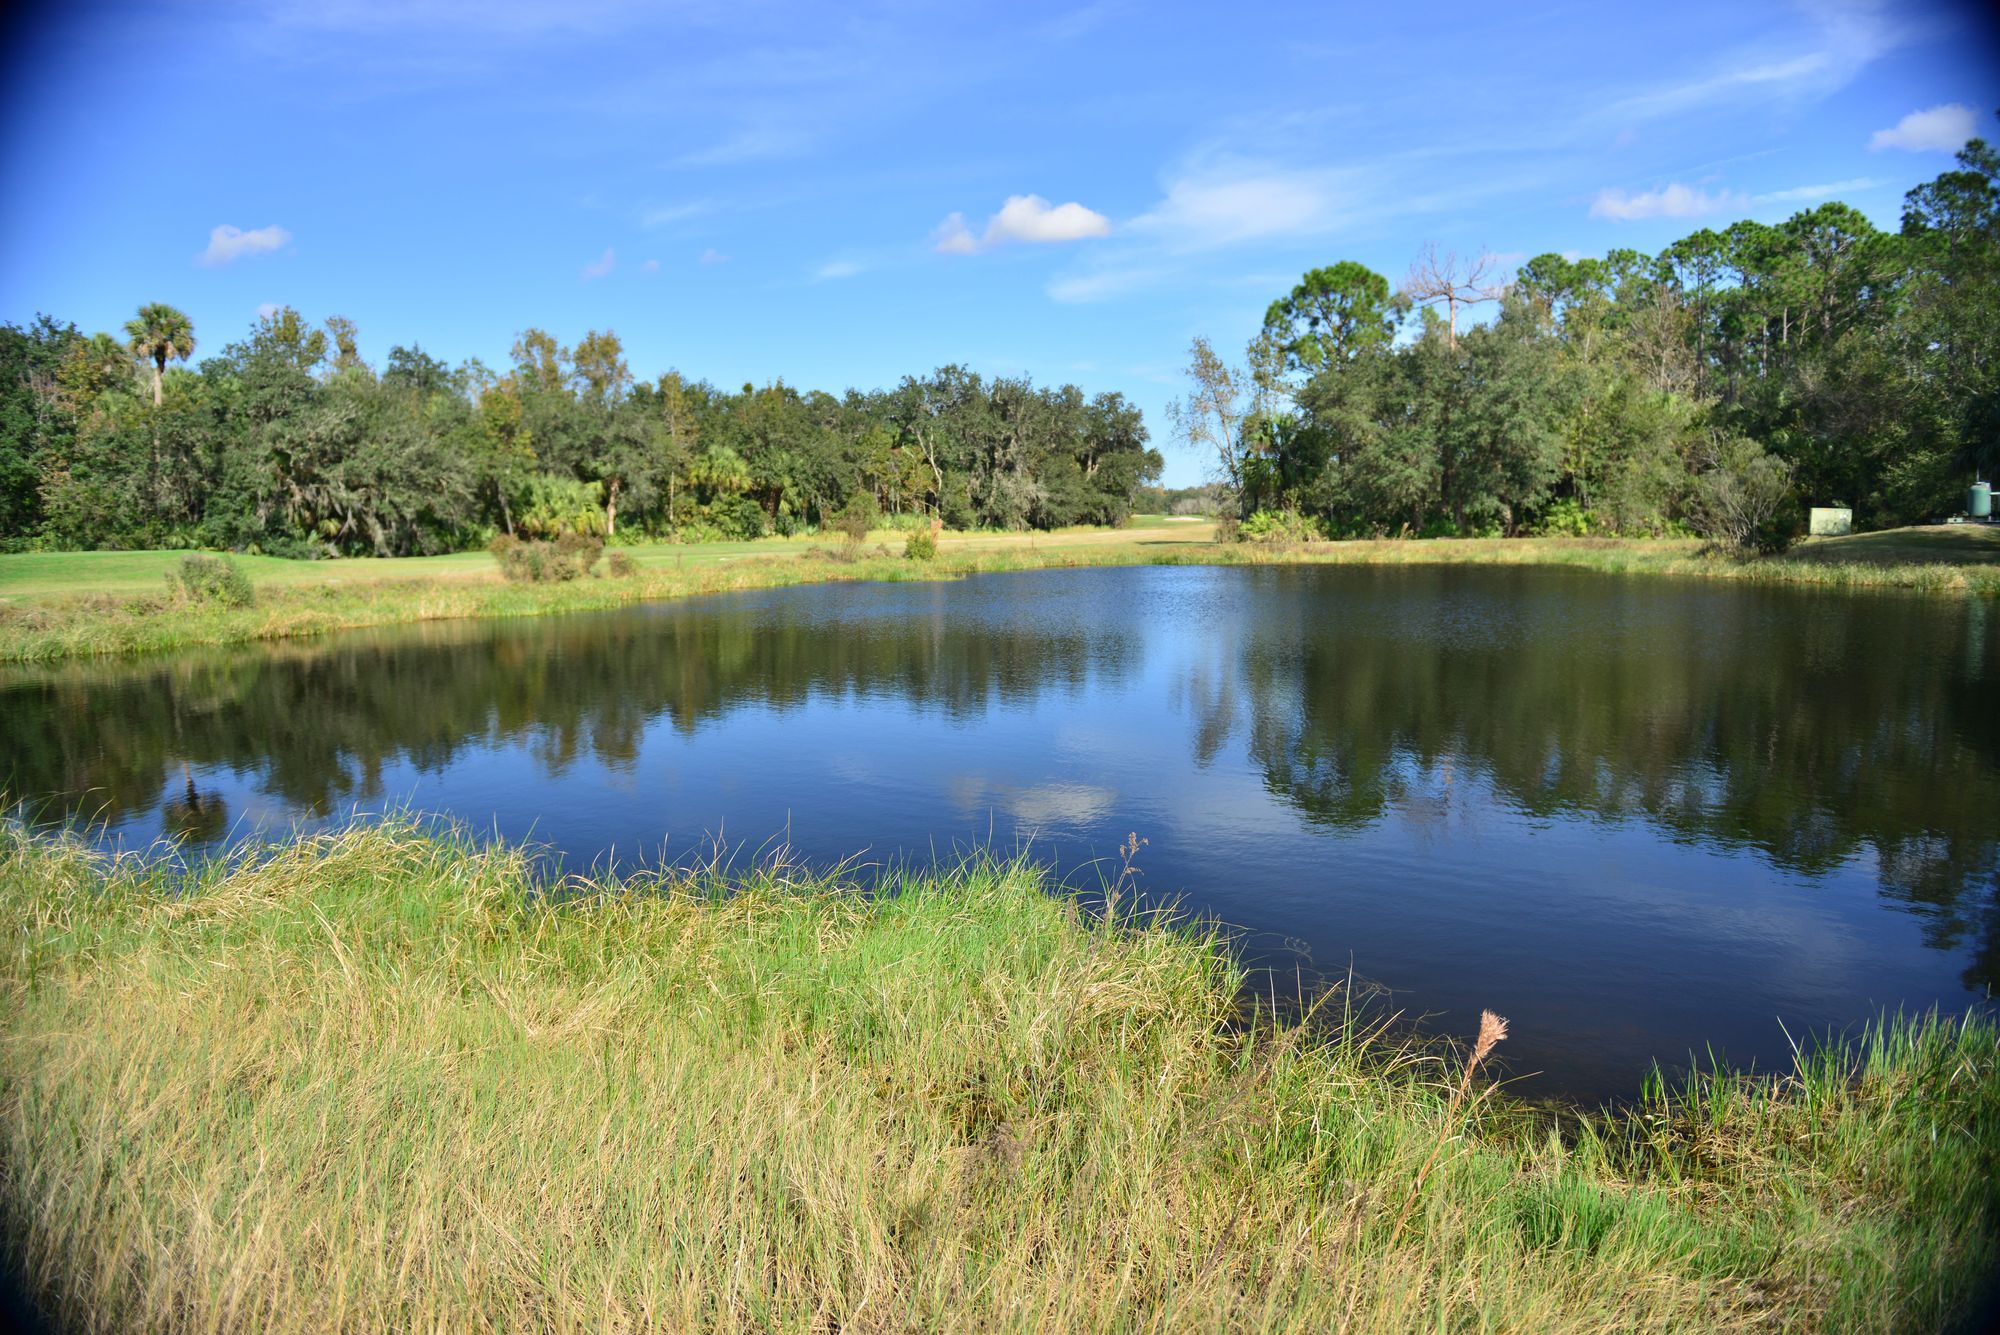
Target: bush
<point x="1228" y="528"/>
<point x="202" y="578"/>
<point x="1743" y="500"/>
<point x="547" y="507"/>
<point x="922" y="544"/>
<point x="1279" y="526"/>
<point x="569" y="557"/>
<point x="1566" y="518"/>
<point x="622" y="566"/>
<point x="858" y="516"/>
<point x="736" y="517"/>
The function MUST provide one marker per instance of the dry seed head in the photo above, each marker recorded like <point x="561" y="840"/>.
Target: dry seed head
<point x="1492" y="1028"/>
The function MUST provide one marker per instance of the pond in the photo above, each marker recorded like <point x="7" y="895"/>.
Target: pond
<point x="1643" y="818"/>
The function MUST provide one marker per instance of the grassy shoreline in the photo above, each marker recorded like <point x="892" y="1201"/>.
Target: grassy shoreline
<point x="43" y="627"/>
<point x="380" y="1085"/>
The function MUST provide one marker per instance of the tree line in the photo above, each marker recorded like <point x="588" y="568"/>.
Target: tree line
<point x="290" y="443"/>
<point x="1719" y="387"/>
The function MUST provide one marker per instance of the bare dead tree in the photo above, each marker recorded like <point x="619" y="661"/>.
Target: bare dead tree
<point x="1445" y="279"/>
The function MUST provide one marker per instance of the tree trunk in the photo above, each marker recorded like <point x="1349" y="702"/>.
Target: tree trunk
<point x="159" y="375"/>
<point x="611" y="507"/>
<point x="506" y="512"/>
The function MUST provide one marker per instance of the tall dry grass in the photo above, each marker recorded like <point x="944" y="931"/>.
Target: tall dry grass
<point x="388" y="1080"/>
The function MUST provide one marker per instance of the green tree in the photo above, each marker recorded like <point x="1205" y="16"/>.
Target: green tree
<point x="1334" y="314"/>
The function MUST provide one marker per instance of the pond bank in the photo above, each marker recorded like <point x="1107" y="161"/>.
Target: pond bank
<point x="37" y="628"/>
<point x="375" y="1078"/>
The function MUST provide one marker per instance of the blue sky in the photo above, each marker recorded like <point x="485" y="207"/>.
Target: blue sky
<point x="838" y="194"/>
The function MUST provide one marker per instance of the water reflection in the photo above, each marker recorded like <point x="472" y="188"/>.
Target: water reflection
<point x="320" y="724"/>
<point x="1729" y="802"/>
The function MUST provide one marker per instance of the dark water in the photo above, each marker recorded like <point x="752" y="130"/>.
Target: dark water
<point x="1640" y="818"/>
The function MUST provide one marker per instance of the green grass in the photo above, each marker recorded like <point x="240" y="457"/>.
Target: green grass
<point x="1946" y="544"/>
<point x="38" y="575"/>
<point x="43" y="616"/>
<point x="370" y="1081"/>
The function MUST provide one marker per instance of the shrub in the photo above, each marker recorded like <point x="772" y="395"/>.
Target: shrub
<point x="202" y="578"/>
<point x="922" y="544"/>
<point x="548" y="507"/>
<point x="622" y="566"/>
<point x="1744" y="498"/>
<point x="1279" y="526"/>
<point x="736" y="517"/>
<point x="1228" y="528"/>
<point x="1567" y="518"/>
<point x="858" y="516"/>
<point x="569" y="557"/>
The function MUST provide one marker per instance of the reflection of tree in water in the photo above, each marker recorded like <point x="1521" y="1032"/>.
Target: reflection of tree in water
<point x="319" y="726"/>
<point x="193" y="815"/>
<point x="1811" y="729"/>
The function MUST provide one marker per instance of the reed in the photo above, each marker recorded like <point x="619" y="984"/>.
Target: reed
<point x="389" y="1078"/>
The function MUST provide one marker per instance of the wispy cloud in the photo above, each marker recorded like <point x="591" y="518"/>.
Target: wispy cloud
<point x="1077" y="289"/>
<point x="1669" y="201"/>
<point x="1766" y="77"/>
<point x="953" y="237"/>
<point x="1846" y="36"/>
<point x="650" y="268"/>
<point x="744" y="146"/>
<point x="228" y="243"/>
<point x="834" y="269"/>
<point x="1024" y="218"/>
<point x="602" y="266"/>
<point x="1082" y="20"/>
<point x="1939" y="130"/>
<point x="673" y="213"/>
<point x="1812" y="194"/>
<point x="713" y="256"/>
<point x="1228" y="202"/>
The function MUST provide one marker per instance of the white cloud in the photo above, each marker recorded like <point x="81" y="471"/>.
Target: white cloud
<point x="650" y="267"/>
<point x="1025" y="218"/>
<point x="1030" y="218"/>
<point x="604" y="264"/>
<point x="713" y="256"/>
<point x="1669" y="201"/>
<point x="953" y="237"/>
<point x="836" y="269"/>
<point x="227" y="243"/>
<point x="1939" y="130"/>
<point x="265" y="310"/>
<point x="1235" y="202"/>
<point x="1812" y="194"/>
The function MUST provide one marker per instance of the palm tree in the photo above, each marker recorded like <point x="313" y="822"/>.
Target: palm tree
<point x="160" y="332"/>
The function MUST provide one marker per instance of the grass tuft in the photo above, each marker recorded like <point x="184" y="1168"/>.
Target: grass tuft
<point x="388" y="1079"/>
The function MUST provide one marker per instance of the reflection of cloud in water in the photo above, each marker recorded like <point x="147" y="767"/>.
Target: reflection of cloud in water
<point x="1037" y="805"/>
<point x="853" y="769"/>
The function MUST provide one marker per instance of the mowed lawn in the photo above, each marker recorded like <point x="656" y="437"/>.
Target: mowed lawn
<point x="53" y="574"/>
<point x="1931" y="544"/>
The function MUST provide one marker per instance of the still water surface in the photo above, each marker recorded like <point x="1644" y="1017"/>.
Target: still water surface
<point x="1641" y="818"/>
